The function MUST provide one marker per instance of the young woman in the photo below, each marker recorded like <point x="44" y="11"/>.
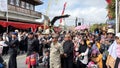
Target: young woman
<point x="83" y="55"/>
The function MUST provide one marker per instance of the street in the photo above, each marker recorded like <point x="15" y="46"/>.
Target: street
<point x="20" y="61"/>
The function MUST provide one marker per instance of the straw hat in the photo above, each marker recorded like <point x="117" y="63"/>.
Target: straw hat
<point x="110" y="31"/>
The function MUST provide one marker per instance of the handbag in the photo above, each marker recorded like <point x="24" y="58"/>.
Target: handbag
<point x="81" y="57"/>
<point x="110" y="61"/>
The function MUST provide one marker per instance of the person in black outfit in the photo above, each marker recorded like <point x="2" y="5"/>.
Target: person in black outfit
<point x="82" y="49"/>
<point x="13" y="48"/>
<point x="33" y="45"/>
<point x="22" y="45"/>
<point x="68" y="47"/>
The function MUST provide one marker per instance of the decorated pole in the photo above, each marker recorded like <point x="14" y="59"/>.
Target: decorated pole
<point x="64" y="7"/>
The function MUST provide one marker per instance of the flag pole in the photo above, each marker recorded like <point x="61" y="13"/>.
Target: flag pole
<point x="7" y="15"/>
<point x="116" y="21"/>
<point x="64" y="7"/>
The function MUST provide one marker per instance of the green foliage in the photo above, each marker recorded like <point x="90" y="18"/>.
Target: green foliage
<point x="111" y="10"/>
<point x="94" y="26"/>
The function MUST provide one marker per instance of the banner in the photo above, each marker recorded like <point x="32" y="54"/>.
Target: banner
<point x="3" y="5"/>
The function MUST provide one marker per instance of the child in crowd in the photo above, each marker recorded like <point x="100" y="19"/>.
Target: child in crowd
<point x="32" y="60"/>
<point x="45" y="59"/>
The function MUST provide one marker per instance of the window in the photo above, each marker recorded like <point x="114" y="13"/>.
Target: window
<point x="12" y="2"/>
<point x="27" y="6"/>
<point x="17" y="2"/>
<point x="22" y="4"/>
<point x="31" y="7"/>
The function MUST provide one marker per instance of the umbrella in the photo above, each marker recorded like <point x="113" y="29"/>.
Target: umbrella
<point x="81" y="27"/>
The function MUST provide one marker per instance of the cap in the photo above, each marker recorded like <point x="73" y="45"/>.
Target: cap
<point x="14" y="33"/>
<point x="17" y="31"/>
<point x="30" y="33"/>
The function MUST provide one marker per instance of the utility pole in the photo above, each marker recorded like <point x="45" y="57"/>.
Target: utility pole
<point x="76" y="20"/>
<point x="117" y="16"/>
<point x="81" y="20"/>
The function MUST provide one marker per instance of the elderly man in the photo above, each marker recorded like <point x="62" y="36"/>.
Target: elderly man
<point x="68" y="47"/>
<point x="55" y="51"/>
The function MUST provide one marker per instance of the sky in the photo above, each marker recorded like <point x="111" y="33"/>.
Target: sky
<point x="88" y="11"/>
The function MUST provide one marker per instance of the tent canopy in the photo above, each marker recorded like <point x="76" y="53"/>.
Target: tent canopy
<point x="20" y="25"/>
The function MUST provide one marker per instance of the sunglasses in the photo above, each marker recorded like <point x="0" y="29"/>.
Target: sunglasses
<point x="54" y="37"/>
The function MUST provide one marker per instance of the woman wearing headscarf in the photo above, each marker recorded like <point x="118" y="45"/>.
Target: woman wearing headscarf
<point x="96" y="57"/>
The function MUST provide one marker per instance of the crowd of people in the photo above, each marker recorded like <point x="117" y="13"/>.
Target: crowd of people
<point x="68" y="49"/>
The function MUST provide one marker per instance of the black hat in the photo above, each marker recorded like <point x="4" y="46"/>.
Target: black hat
<point x="30" y="33"/>
<point x="14" y="33"/>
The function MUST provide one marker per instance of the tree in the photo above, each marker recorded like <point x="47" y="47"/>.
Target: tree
<point x="111" y="9"/>
<point x="100" y="26"/>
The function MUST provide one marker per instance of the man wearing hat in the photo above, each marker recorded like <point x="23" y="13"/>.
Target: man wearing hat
<point x="110" y="35"/>
<point x="55" y="51"/>
<point x="106" y="43"/>
<point x="13" y="48"/>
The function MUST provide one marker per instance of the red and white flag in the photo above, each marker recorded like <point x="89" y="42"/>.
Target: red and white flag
<point x="63" y="10"/>
<point x="109" y="1"/>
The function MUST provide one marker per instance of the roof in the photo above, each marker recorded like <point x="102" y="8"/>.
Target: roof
<point x="35" y="2"/>
<point x="38" y="2"/>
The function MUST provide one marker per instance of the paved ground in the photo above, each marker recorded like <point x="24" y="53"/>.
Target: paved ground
<point x="20" y="61"/>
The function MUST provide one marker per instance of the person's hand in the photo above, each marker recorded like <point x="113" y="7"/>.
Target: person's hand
<point x="65" y="55"/>
<point x="79" y="55"/>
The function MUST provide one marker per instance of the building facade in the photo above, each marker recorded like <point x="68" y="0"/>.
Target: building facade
<point x="22" y="11"/>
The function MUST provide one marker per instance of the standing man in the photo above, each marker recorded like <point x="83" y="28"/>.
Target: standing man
<point x="68" y="47"/>
<point x="33" y="46"/>
<point x="13" y="51"/>
<point x="55" y="52"/>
